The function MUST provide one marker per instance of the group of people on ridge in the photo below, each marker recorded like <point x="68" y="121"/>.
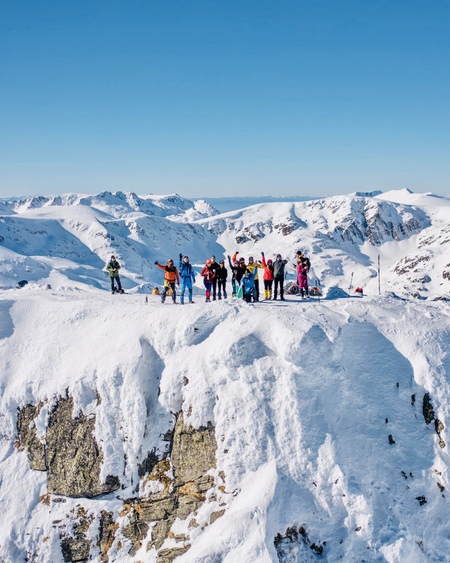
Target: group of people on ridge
<point x="244" y="277"/>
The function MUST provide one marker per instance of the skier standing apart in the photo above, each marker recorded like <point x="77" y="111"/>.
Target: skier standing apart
<point x="170" y="277"/>
<point x="208" y="275"/>
<point x="113" y="268"/>
<point x="214" y="268"/>
<point x="268" y="276"/>
<point x="187" y="276"/>
<point x="278" y="276"/>
<point x="221" y="275"/>
<point x="302" y="279"/>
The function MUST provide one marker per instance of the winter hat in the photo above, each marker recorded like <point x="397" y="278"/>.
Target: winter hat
<point x="208" y="262"/>
<point x="270" y="261"/>
<point x="278" y="256"/>
<point x="113" y="257"/>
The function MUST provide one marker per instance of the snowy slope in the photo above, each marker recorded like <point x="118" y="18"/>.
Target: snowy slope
<point x="303" y="398"/>
<point x="67" y="239"/>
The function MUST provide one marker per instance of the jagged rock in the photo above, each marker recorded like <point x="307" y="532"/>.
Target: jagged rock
<point x="148" y="464"/>
<point x="73" y="456"/>
<point x="107" y="532"/>
<point x="215" y="515"/>
<point x="168" y="555"/>
<point x="75" y="550"/>
<point x="193" y="451"/>
<point x="439" y="426"/>
<point x="28" y="437"/>
<point x="192" y="456"/>
<point x="427" y="409"/>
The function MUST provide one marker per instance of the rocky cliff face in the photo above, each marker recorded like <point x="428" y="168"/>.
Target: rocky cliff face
<point x="70" y="455"/>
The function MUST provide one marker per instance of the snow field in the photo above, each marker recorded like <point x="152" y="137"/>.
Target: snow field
<point x="303" y="397"/>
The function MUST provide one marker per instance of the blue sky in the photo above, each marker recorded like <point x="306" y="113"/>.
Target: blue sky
<point x="224" y="98"/>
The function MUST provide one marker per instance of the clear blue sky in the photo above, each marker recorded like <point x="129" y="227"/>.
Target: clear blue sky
<point x="224" y="97"/>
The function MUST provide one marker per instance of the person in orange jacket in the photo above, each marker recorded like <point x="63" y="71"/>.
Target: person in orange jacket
<point x="170" y="278"/>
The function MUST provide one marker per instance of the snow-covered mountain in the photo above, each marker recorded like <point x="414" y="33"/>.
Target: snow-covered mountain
<point x="66" y="240"/>
<point x="285" y="432"/>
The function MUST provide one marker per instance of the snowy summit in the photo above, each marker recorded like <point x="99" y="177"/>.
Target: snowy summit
<point x="227" y="431"/>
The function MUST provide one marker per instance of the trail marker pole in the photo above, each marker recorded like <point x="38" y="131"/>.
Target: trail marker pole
<point x="379" y="275"/>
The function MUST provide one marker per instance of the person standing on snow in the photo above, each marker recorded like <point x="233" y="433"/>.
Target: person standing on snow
<point x="221" y="275"/>
<point x="302" y="258"/>
<point x="278" y="276"/>
<point x="113" y="268"/>
<point x="253" y="266"/>
<point x="208" y="276"/>
<point x="214" y="268"/>
<point x="268" y="276"/>
<point x="248" y="285"/>
<point x="187" y="276"/>
<point x="170" y="277"/>
<point x="302" y="278"/>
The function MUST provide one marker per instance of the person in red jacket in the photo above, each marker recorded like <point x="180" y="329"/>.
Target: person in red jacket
<point x="267" y="276"/>
<point x="208" y="275"/>
<point x="170" y="277"/>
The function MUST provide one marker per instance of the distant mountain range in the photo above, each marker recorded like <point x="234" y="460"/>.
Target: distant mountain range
<point x="66" y="240"/>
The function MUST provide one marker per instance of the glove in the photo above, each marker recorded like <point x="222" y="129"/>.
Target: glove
<point x="181" y="256"/>
<point x="262" y="253"/>
<point x="156" y="262"/>
<point x="237" y="252"/>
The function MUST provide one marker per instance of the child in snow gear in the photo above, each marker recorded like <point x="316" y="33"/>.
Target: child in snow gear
<point x="221" y="275"/>
<point x="208" y="276"/>
<point x="302" y="279"/>
<point x="248" y="285"/>
<point x="278" y="276"/>
<point x="170" y="277"/>
<point x="187" y="276"/>
<point x="268" y="276"/>
<point x="113" y="268"/>
<point x="214" y="268"/>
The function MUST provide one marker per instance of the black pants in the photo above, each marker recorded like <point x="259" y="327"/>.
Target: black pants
<point x="166" y="289"/>
<point x="278" y="282"/>
<point x="119" y="285"/>
<point x="256" y="293"/>
<point x="221" y="289"/>
<point x="214" y="288"/>
<point x="268" y="285"/>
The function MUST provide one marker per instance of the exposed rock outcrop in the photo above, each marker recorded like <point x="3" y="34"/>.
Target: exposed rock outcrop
<point x="28" y="438"/>
<point x="192" y="456"/>
<point x="69" y="453"/>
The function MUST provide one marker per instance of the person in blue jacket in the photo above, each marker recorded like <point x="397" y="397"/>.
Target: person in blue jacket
<point x="248" y="285"/>
<point x="187" y="276"/>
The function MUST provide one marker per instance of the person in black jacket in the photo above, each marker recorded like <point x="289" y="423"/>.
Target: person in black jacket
<point x="278" y="276"/>
<point x="113" y="268"/>
<point x="214" y="268"/>
<point x="221" y="275"/>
